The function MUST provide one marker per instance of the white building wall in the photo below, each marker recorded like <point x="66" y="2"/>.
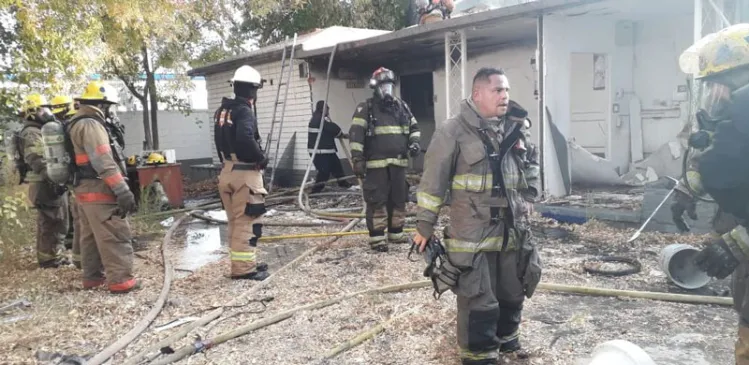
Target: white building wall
<point x="187" y="135"/>
<point x="515" y="61"/>
<point x="642" y="53"/>
<point x="296" y="116"/>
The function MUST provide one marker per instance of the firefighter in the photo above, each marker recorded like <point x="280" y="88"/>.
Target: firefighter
<point x="44" y="195"/>
<point x="383" y="131"/>
<point x="719" y="62"/>
<point x="326" y="159"/>
<point x="485" y="160"/>
<point x="63" y="108"/>
<point x="431" y="11"/>
<point x="241" y="185"/>
<point x="102" y="194"/>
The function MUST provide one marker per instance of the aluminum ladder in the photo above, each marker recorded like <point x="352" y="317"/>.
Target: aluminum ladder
<point x="285" y="66"/>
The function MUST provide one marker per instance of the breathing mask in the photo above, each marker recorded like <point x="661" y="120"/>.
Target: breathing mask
<point x="383" y="81"/>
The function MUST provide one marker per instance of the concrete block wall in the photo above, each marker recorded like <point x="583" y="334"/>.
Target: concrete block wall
<point x="188" y="135"/>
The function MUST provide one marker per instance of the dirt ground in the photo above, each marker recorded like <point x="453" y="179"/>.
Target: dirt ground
<point x="559" y="329"/>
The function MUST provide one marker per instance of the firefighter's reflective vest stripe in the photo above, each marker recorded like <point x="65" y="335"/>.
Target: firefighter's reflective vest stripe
<point x="487" y="244"/>
<point x="376" y="164"/>
<point x="242" y="256"/>
<point x="472" y="182"/>
<point x="95" y="198"/>
<point x="416" y="135"/>
<point x="360" y="122"/>
<point x="429" y="202"/>
<point x="356" y="146"/>
<point x="92" y="159"/>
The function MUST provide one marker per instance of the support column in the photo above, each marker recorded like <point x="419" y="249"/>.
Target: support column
<point x="455" y="70"/>
<point x="540" y="87"/>
<point x="697" y="20"/>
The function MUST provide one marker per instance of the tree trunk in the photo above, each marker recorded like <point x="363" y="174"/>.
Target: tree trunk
<point x="151" y="95"/>
<point x="148" y="143"/>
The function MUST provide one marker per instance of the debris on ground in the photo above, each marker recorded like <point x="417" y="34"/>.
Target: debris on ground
<point x="557" y="328"/>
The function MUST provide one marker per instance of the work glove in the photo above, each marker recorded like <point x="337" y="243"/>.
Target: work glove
<point x="344" y="136"/>
<point x="359" y="167"/>
<point x="263" y="164"/>
<point x="414" y="149"/>
<point x="717" y="259"/>
<point x="683" y="203"/>
<point x="126" y="204"/>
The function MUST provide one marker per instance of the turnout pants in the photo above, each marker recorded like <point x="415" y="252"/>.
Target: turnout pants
<point x="722" y="223"/>
<point x="489" y="314"/>
<point x="385" y="193"/>
<point x="50" y="228"/>
<point x="243" y="196"/>
<point x="328" y="164"/>
<point x="76" y="229"/>
<point x="105" y="244"/>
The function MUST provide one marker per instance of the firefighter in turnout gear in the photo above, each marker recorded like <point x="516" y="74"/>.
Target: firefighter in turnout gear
<point x="326" y="160"/>
<point x="484" y="160"/>
<point x="431" y="11"/>
<point x="102" y="194"/>
<point x="241" y="185"/>
<point x="44" y="195"/>
<point x="63" y="108"/>
<point x="382" y="135"/>
<point x="719" y="62"/>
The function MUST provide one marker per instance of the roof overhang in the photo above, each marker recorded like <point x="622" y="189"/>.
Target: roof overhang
<point x="506" y="25"/>
<point x="263" y="55"/>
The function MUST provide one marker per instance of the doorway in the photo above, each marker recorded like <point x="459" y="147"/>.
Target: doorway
<point x="589" y="101"/>
<point x="416" y="90"/>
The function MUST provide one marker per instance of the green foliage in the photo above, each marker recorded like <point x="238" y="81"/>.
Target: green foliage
<point x="282" y="19"/>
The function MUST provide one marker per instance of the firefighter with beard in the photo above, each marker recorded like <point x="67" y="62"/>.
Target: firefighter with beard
<point x="719" y="62"/>
<point x="241" y="185"/>
<point x="102" y="194"/>
<point x="483" y="158"/>
<point x="63" y="108"/>
<point x="44" y="195"/>
<point x="382" y="136"/>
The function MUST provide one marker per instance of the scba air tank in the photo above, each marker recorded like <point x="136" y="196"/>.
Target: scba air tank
<point x="55" y="155"/>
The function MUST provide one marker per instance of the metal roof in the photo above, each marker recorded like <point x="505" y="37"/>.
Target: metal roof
<point x="318" y="38"/>
<point x="520" y="20"/>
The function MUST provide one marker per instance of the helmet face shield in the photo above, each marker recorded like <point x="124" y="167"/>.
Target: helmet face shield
<point x="714" y="100"/>
<point x="383" y="81"/>
<point x="385" y="90"/>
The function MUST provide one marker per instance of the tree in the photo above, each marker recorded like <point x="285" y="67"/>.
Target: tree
<point x="273" y="23"/>
<point x="60" y="42"/>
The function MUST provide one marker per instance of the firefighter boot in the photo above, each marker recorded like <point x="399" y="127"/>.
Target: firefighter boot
<point x="378" y="243"/>
<point x="53" y="264"/>
<point x="125" y="287"/>
<point x="399" y="237"/>
<point x="514" y="347"/>
<point x="260" y="274"/>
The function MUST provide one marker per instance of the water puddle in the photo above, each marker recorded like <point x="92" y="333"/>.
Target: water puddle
<point x="203" y="245"/>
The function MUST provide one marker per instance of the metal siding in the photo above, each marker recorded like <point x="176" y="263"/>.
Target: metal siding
<point x="297" y="114"/>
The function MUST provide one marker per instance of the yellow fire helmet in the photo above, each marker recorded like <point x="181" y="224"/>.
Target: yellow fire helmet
<point x="98" y="91"/>
<point x="155" y="158"/>
<point x="60" y="102"/>
<point x="717" y="52"/>
<point x="33" y="102"/>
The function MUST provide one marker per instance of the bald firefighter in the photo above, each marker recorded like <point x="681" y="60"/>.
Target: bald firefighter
<point x="241" y="186"/>
<point x="484" y="160"/>
<point x="382" y="136"/>
<point x="102" y="195"/>
<point x="63" y="108"/>
<point x="719" y="62"/>
<point x="44" y="195"/>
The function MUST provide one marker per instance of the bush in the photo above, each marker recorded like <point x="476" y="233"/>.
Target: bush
<point x="17" y="220"/>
